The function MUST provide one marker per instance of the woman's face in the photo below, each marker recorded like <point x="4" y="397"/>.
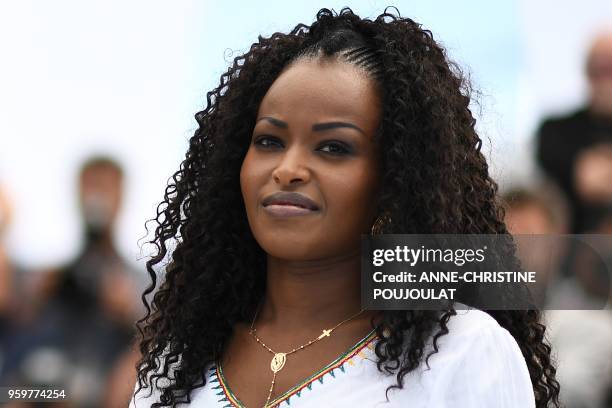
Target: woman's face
<point x="311" y="174"/>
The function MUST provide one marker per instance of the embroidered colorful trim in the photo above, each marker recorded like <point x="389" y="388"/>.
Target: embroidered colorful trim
<point x="225" y="393"/>
<point x="229" y="397"/>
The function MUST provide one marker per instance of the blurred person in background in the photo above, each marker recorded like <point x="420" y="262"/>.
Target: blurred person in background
<point x="543" y="215"/>
<point x="582" y="339"/>
<point x="576" y="150"/>
<point x="121" y="380"/>
<point x="529" y="212"/>
<point x="87" y="309"/>
<point x="6" y="275"/>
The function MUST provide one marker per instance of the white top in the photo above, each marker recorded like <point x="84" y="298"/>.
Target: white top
<point x="478" y="365"/>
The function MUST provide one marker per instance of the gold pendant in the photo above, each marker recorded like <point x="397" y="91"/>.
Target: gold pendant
<point x="278" y="362"/>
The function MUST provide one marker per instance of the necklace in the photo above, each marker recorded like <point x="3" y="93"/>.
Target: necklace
<point x="279" y="359"/>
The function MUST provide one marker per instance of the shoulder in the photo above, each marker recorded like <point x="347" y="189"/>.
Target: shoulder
<point x="202" y="395"/>
<point x="469" y="320"/>
<point x="478" y="364"/>
<point x="473" y="333"/>
<point x="470" y="323"/>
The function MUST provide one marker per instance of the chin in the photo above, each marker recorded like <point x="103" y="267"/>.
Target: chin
<point x="291" y="249"/>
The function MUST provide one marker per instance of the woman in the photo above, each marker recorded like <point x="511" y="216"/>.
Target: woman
<point x="312" y="138"/>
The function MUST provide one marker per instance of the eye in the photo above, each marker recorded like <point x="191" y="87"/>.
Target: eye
<point x="335" y="148"/>
<point x="268" y="142"/>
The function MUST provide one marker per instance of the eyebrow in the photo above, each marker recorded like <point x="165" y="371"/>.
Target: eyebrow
<point x="316" y="127"/>
<point x="275" y="122"/>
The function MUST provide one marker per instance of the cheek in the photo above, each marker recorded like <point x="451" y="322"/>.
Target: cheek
<point x="249" y="178"/>
<point x="352" y="195"/>
<point x="244" y="179"/>
<point x="249" y="188"/>
<point x="255" y="173"/>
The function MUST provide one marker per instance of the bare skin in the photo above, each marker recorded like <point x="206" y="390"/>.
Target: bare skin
<point x="599" y="69"/>
<point x="313" y="259"/>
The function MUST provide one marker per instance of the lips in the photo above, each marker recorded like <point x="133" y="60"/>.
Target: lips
<point x="284" y="198"/>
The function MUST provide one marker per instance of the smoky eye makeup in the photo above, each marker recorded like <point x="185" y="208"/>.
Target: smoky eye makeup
<point x="267" y="141"/>
<point x="332" y="148"/>
<point x="336" y="148"/>
<point x="328" y="147"/>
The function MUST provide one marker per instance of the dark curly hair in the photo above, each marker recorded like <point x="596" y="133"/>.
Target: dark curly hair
<point x="214" y="270"/>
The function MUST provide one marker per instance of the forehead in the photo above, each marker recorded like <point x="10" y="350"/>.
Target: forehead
<point x="602" y="47"/>
<point x="317" y="89"/>
<point x="100" y="175"/>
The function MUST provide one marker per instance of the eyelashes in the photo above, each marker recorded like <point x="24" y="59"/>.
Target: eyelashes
<point x="267" y="142"/>
<point x="335" y="148"/>
<point x="329" y="147"/>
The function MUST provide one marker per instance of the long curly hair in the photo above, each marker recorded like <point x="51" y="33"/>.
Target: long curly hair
<point x="434" y="180"/>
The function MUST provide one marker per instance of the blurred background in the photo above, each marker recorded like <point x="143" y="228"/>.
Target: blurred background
<point x="96" y="107"/>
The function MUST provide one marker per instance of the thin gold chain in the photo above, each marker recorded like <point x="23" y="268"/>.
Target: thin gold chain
<point x="278" y="361"/>
<point x="326" y="333"/>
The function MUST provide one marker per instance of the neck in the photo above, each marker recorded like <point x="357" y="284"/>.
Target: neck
<point x="102" y="244"/>
<point x="312" y="294"/>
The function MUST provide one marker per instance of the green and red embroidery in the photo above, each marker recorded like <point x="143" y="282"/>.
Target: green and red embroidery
<point x="226" y="397"/>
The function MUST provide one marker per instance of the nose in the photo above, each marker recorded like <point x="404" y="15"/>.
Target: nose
<point x="292" y="167"/>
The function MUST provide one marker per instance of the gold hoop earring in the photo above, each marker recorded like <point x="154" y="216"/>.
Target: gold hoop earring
<point x="379" y="223"/>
